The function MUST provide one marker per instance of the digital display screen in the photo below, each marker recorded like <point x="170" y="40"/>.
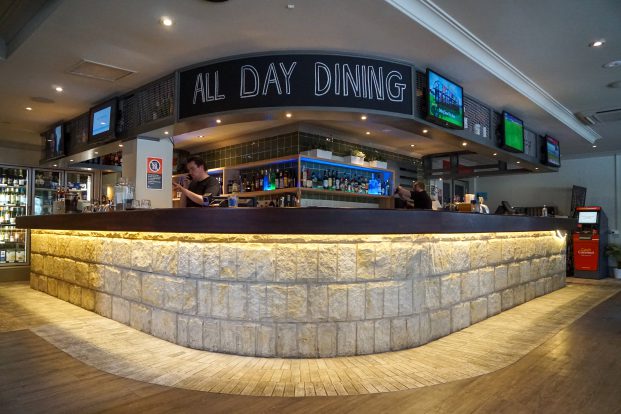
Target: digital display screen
<point x="444" y="101"/>
<point x="553" y="152"/>
<point x="58" y="141"/>
<point x="587" y="217"/>
<point x="513" y="136"/>
<point x="101" y="121"/>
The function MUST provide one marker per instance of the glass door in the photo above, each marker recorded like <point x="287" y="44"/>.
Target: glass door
<point x="46" y="183"/>
<point x="13" y="203"/>
<point x="80" y="184"/>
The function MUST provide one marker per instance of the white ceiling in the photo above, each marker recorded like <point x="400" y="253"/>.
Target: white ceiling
<point x="545" y="40"/>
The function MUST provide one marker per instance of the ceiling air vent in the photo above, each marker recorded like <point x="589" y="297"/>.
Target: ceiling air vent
<point x="96" y="70"/>
<point x="599" y="117"/>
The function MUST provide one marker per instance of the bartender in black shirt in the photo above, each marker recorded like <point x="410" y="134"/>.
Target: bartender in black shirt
<point x="416" y="198"/>
<point x="195" y="193"/>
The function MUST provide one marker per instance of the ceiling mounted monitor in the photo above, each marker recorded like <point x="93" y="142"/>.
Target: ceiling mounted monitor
<point x="445" y="103"/>
<point x="512" y="133"/>
<point x="551" y="152"/>
<point x="103" y="121"/>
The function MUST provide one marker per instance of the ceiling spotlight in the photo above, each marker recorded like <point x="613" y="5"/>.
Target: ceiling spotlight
<point x="464" y="144"/>
<point x="291" y="6"/>
<point x="58" y="88"/>
<point x="166" y="21"/>
<point x="440" y="179"/>
<point x="288" y="115"/>
<point x="612" y="64"/>
<point x="412" y="145"/>
<point x="121" y="145"/>
<point x="70" y="160"/>
<point x="425" y="131"/>
<point x="28" y="108"/>
<point x="494" y="154"/>
<point x="165" y="132"/>
<point x="218" y="121"/>
<point x="518" y="162"/>
<point x="89" y="169"/>
<point x="363" y="117"/>
<point x="594" y="146"/>
<point x="55" y="165"/>
<point x="536" y="168"/>
<point x="597" y="43"/>
<point x="201" y="136"/>
<point x="368" y="132"/>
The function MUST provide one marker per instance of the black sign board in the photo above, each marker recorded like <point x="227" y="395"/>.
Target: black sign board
<point x="309" y="80"/>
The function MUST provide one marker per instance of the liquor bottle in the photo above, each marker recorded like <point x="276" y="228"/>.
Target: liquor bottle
<point x="21" y="178"/>
<point x="272" y="180"/>
<point x="266" y="181"/>
<point x="337" y="182"/>
<point x="314" y="181"/>
<point x="285" y="182"/>
<point x="325" y="180"/>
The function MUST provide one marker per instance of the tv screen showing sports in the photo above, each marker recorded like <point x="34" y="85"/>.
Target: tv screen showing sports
<point x="552" y="152"/>
<point x="513" y="133"/>
<point x="102" y="121"/>
<point x="58" y="141"/>
<point x="587" y="217"/>
<point x="445" y="105"/>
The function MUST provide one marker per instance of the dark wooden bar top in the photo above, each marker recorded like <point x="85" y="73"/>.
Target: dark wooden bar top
<point x="294" y="221"/>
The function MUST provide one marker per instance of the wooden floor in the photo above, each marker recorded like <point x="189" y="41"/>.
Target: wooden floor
<point x="577" y="369"/>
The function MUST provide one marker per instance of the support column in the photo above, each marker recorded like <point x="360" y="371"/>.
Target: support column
<point x="136" y="154"/>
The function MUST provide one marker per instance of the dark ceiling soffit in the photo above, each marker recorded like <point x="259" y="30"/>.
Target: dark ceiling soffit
<point x="31" y="23"/>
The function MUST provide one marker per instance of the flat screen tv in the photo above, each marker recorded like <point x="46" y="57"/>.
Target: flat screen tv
<point x="512" y="133"/>
<point x="103" y="121"/>
<point x="551" y="152"/>
<point x="55" y="142"/>
<point x="445" y="103"/>
<point x="587" y="217"/>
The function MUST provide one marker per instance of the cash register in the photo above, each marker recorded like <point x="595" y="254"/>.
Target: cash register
<point x="590" y="240"/>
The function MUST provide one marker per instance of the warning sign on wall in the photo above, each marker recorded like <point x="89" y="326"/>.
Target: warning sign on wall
<point x="154" y="173"/>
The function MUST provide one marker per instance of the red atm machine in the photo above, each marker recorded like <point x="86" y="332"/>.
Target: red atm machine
<point x="590" y="240"/>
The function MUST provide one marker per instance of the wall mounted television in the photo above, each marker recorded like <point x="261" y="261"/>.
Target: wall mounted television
<point x="551" y="152"/>
<point x="102" y="124"/>
<point x="512" y="133"/>
<point x="445" y="101"/>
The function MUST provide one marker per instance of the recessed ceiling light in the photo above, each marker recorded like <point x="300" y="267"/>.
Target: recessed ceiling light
<point x="218" y="121"/>
<point x="70" y="160"/>
<point x="58" y="88"/>
<point x="96" y="153"/>
<point x="412" y="145"/>
<point x="363" y="117"/>
<point x="89" y="169"/>
<point x="612" y="64"/>
<point x="121" y="145"/>
<point x="288" y="115"/>
<point x="536" y="168"/>
<point x="166" y="21"/>
<point x="291" y="6"/>
<point x="165" y="132"/>
<point x="594" y="146"/>
<point x="494" y="154"/>
<point x="55" y="165"/>
<point x="201" y="136"/>
<point x="518" y="162"/>
<point x="440" y="179"/>
<point x="368" y="132"/>
<point x="464" y="144"/>
<point x="425" y="131"/>
<point x="28" y="108"/>
<point x="597" y="43"/>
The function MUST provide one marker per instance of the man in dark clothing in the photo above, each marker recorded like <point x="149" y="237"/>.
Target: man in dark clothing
<point x="416" y="198"/>
<point x="195" y="193"/>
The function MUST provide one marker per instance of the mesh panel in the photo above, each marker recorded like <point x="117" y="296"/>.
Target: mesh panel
<point x="421" y="80"/>
<point x="530" y="143"/>
<point x="77" y="131"/>
<point x="151" y="103"/>
<point x="477" y="114"/>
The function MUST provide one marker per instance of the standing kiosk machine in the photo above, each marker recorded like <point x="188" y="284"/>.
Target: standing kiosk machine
<point x="590" y="240"/>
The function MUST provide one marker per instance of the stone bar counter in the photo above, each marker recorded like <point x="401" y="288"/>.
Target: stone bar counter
<point x="296" y="282"/>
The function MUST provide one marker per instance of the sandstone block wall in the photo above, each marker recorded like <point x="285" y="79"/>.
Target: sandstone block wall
<point x="297" y="296"/>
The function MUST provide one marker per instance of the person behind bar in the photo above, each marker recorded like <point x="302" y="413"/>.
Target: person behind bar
<point x="417" y="197"/>
<point x="196" y="193"/>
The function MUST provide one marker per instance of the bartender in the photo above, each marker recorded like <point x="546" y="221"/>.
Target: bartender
<point x="196" y="193"/>
<point x="417" y="197"/>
